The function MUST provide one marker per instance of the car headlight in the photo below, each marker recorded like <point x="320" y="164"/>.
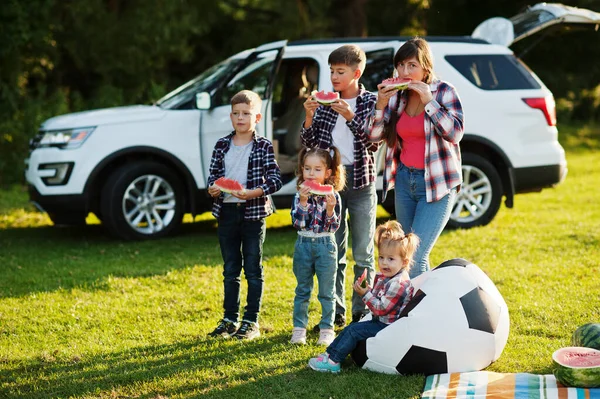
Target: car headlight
<point x="67" y="139"/>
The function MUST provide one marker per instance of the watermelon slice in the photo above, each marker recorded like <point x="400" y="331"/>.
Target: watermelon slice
<point x="363" y="279"/>
<point x="325" y="97"/>
<point x="575" y="366"/>
<point x="318" y="189"/>
<point x="228" y="185"/>
<point x="398" y="83"/>
<point x="587" y="335"/>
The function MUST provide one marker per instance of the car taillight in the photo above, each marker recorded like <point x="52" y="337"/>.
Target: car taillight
<point x="546" y="105"/>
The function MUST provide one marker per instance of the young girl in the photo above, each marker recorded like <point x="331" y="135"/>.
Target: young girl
<point x="317" y="218"/>
<point x="391" y="292"/>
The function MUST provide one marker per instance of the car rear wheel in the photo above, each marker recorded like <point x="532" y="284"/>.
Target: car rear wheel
<point x="142" y="200"/>
<point x="479" y="198"/>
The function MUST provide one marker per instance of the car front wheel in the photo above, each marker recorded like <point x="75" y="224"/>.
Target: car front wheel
<point x="479" y="198"/>
<point x="142" y="200"/>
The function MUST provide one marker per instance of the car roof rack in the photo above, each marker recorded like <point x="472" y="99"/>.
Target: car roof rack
<point x="431" y="39"/>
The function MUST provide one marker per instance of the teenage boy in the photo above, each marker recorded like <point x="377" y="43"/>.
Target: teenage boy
<point x="342" y="125"/>
<point x="248" y="158"/>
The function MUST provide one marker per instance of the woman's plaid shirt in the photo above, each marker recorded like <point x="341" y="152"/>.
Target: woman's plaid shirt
<point x="263" y="172"/>
<point x="444" y="128"/>
<point x="389" y="296"/>
<point x="319" y="135"/>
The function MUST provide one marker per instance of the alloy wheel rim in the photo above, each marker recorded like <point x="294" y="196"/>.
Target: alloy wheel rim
<point x="149" y="204"/>
<point x="474" y="197"/>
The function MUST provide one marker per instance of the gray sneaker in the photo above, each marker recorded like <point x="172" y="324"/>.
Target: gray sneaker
<point x="224" y="329"/>
<point x="247" y="331"/>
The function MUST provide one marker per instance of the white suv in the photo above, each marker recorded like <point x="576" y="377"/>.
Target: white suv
<point x="140" y="168"/>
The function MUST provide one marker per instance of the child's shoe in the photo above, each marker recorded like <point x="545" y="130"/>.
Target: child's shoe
<point x="323" y="363"/>
<point x="225" y="329"/>
<point x="247" y="331"/>
<point x="298" y="336"/>
<point x="326" y="336"/>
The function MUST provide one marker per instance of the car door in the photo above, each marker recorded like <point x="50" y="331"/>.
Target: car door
<point x="503" y="31"/>
<point x="256" y="73"/>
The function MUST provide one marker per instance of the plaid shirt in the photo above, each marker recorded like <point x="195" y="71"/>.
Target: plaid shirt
<point x="314" y="217"/>
<point x="319" y="135"/>
<point x="389" y="296"/>
<point x="263" y="172"/>
<point x="444" y="128"/>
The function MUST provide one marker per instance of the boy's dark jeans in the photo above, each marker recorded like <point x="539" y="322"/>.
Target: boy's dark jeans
<point x="241" y="247"/>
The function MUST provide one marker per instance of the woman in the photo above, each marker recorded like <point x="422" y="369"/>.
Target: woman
<point x="422" y="127"/>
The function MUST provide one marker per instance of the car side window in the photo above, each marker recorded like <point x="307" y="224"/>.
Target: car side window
<point x="379" y="67"/>
<point x="494" y="71"/>
<point x="254" y="76"/>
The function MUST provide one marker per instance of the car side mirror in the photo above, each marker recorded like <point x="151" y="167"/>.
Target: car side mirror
<point x="203" y="100"/>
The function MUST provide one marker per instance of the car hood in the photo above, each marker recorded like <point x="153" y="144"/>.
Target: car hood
<point x="106" y="116"/>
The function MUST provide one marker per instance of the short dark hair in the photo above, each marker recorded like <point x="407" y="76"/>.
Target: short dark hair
<point x="247" y="97"/>
<point x="419" y="48"/>
<point x="350" y="55"/>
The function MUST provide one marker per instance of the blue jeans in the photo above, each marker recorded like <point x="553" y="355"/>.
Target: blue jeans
<point x="346" y="341"/>
<point x="415" y="214"/>
<point x="312" y="256"/>
<point x="241" y="245"/>
<point x="362" y="207"/>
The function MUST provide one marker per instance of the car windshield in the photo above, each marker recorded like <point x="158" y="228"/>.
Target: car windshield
<point x="206" y="81"/>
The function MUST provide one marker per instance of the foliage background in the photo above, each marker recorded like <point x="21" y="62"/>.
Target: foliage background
<point x="64" y="56"/>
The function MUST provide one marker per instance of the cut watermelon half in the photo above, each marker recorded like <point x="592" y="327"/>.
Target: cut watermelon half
<point x="228" y="185"/>
<point x="318" y="189"/>
<point x="576" y="366"/>
<point x="325" y="97"/>
<point x="363" y="279"/>
<point x="398" y="83"/>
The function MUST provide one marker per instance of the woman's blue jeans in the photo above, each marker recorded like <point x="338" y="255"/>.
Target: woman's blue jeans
<point x="415" y="214"/>
<point x="346" y="341"/>
<point x="241" y="245"/>
<point x="315" y="256"/>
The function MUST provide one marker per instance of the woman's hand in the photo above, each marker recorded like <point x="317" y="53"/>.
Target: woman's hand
<point x="383" y="95"/>
<point x="214" y="191"/>
<point x="422" y="89"/>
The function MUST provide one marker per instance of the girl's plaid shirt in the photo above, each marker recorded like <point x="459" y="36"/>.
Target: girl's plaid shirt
<point x="444" y="128"/>
<point x="319" y="135"/>
<point x="263" y="172"/>
<point x="389" y="296"/>
<point x="314" y="217"/>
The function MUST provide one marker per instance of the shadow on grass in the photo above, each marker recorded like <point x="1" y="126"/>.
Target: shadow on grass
<point x="187" y="368"/>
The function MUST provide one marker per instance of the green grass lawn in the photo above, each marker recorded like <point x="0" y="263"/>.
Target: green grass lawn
<point x="84" y="316"/>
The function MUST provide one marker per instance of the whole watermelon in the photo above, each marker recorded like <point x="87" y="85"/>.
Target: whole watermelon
<point x="587" y="335"/>
<point x="577" y="366"/>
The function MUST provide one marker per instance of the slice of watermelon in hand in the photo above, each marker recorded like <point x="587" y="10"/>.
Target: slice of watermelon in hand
<point x="317" y="188"/>
<point x="325" y="97"/>
<point x="363" y="279"/>
<point x="398" y="83"/>
<point x="228" y="185"/>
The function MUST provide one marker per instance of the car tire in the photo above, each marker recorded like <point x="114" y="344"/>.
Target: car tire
<point x="142" y="200"/>
<point x="480" y="196"/>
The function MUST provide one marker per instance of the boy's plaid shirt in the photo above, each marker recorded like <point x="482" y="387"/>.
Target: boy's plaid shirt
<point x="314" y="217"/>
<point x="389" y="296"/>
<point x="319" y="135"/>
<point x="263" y="172"/>
<point x="444" y="128"/>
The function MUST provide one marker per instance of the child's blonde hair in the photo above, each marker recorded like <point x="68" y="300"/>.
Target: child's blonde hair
<point x="390" y="233"/>
<point x="332" y="160"/>
<point x="247" y="97"/>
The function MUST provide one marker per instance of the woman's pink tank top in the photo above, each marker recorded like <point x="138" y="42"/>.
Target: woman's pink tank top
<point x="412" y="132"/>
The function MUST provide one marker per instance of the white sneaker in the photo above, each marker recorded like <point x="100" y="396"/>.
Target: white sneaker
<point x="326" y="337"/>
<point x="298" y="336"/>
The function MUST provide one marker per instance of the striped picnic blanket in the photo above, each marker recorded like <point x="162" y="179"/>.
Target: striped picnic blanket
<point x="485" y="384"/>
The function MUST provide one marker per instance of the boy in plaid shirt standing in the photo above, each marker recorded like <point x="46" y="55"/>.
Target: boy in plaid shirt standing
<point x="249" y="159"/>
<point x="342" y="125"/>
